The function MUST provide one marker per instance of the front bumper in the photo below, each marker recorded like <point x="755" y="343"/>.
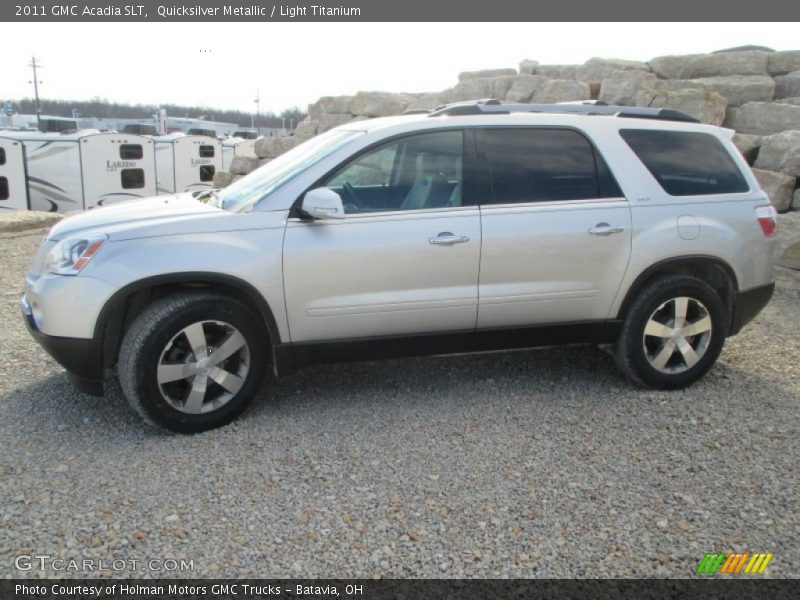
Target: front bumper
<point x="748" y="304"/>
<point x="82" y="358"/>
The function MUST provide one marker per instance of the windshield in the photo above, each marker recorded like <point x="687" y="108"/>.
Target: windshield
<point x="244" y="194"/>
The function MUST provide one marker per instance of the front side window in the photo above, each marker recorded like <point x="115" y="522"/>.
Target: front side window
<point x="539" y="165"/>
<point x="2" y="156"/>
<point x="423" y="171"/>
<point x="686" y="163"/>
<point x="132" y="179"/>
<point x="249" y="190"/>
<point x="4" y="188"/>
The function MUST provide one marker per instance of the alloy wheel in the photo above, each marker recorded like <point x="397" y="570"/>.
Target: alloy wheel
<point x="203" y="367"/>
<point x="677" y="335"/>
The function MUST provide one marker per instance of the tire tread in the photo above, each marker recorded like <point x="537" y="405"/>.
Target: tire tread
<point x="144" y="326"/>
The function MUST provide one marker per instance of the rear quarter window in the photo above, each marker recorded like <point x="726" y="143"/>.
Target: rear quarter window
<point x="686" y="163"/>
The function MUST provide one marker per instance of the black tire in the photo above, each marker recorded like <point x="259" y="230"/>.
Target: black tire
<point x="159" y="325"/>
<point x="631" y="355"/>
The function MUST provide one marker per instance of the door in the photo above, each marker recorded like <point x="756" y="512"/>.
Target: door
<point x="556" y="229"/>
<point x="13" y="189"/>
<point x="404" y="259"/>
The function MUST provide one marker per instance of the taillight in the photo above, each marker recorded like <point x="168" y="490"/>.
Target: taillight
<point x="768" y="219"/>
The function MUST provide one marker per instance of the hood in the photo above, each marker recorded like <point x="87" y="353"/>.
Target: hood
<point x="133" y="215"/>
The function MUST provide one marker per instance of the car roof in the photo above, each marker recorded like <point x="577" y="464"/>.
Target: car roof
<point x="423" y="121"/>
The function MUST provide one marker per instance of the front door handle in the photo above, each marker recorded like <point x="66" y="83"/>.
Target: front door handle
<point x="606" y="229"/>
<point x="448" y="239"/>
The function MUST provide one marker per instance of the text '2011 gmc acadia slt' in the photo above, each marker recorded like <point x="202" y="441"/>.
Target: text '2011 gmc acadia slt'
<point x="478" y="226"/>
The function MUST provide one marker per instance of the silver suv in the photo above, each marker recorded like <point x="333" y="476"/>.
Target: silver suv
<point x="478" y="226"/>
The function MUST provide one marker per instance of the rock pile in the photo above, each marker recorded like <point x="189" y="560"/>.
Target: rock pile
<point x="754" y="91"/>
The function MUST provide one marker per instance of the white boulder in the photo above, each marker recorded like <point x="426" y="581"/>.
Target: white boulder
<point x="528" y="67"/>
<point x="788" y="86"/>
<point x="781" y="152"/>
<point x="780" y="63"/>
<point x="748" y="62"/>
<point x="524" y="86"/>
<point x="778" y="186"/>
<point x="485" y="74"/>
<point x="378" y="104"/>
<point x="764" y="118"/>
<point x="706" y="105"/>
<point x="737" y="89"/>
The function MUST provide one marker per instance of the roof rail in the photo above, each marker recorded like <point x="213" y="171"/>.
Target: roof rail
<point x="590" y="107"/>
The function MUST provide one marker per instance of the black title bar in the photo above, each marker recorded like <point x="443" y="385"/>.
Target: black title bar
<point x="400" y="10"/>
<point x="419" y="589"/>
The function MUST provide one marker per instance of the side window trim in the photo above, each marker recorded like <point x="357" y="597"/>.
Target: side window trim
<point x="469" y="200"/>
<point x="486" y="185"/>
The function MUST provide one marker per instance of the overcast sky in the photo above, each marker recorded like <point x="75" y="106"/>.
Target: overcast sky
<point x="222" y="65"/>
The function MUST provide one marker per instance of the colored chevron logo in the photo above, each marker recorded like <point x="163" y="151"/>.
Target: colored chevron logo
<point x="721" y="562"/>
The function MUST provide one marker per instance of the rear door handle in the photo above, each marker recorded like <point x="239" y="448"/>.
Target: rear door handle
<point x="606" y="229"/>
<point x="448" y="239"/>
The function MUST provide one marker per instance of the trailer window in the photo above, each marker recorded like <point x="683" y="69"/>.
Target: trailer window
<point x="2" y="156"/>
<point x="131" y="152"/>
<point x="3" y="188"/>
<point x="207" y="173"/>
<point x="132" y="179"/>
<point x="206" y="151"/>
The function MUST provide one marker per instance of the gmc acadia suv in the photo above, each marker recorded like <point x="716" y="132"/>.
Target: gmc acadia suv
<point x="478" y="226"/>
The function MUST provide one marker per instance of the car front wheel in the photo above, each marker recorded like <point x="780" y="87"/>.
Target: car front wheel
<point x="192" y="361"/>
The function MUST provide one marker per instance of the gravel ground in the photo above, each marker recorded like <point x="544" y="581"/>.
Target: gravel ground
<point x="525" y="464"/>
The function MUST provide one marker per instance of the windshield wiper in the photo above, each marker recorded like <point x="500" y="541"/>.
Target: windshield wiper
<point x="205" y="195"/>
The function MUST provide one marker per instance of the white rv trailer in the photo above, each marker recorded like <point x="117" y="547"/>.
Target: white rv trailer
<point x="186" y="163"/>
<point x="13" y="188"/>
<point x="235" y="146"/>
<point x="85" y="169"/>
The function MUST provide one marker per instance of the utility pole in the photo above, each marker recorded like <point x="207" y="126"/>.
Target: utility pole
<point x="35" y="65"/>
<point x="258" y="110"/>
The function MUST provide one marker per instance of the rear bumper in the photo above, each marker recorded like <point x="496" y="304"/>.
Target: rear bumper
<point x="748" y="304"/>
<point x="82" y="358"/>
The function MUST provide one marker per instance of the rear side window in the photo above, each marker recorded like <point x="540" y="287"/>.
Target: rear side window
<point x="3" y="188"/>
<point x="538" y="165"/>
<point x="686" y="163"/>
<point x="207" y="173"/>
<point x="131" y="152"/>
<point x="2" y="156"/>
<point x="206" y="151"/>
<point x="132" y="179"/>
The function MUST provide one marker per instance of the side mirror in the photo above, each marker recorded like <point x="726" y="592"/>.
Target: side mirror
<point x="323" y="203"/>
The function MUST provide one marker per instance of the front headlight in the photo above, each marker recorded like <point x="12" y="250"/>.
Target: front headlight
<point x="69" y="256"/>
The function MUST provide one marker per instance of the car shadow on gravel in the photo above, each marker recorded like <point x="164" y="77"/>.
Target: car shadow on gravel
<point x="563" y="377"/>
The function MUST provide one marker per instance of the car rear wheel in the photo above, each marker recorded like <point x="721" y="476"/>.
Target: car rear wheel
<point x="192" y="361"/>
<point x="673" y="333"/>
